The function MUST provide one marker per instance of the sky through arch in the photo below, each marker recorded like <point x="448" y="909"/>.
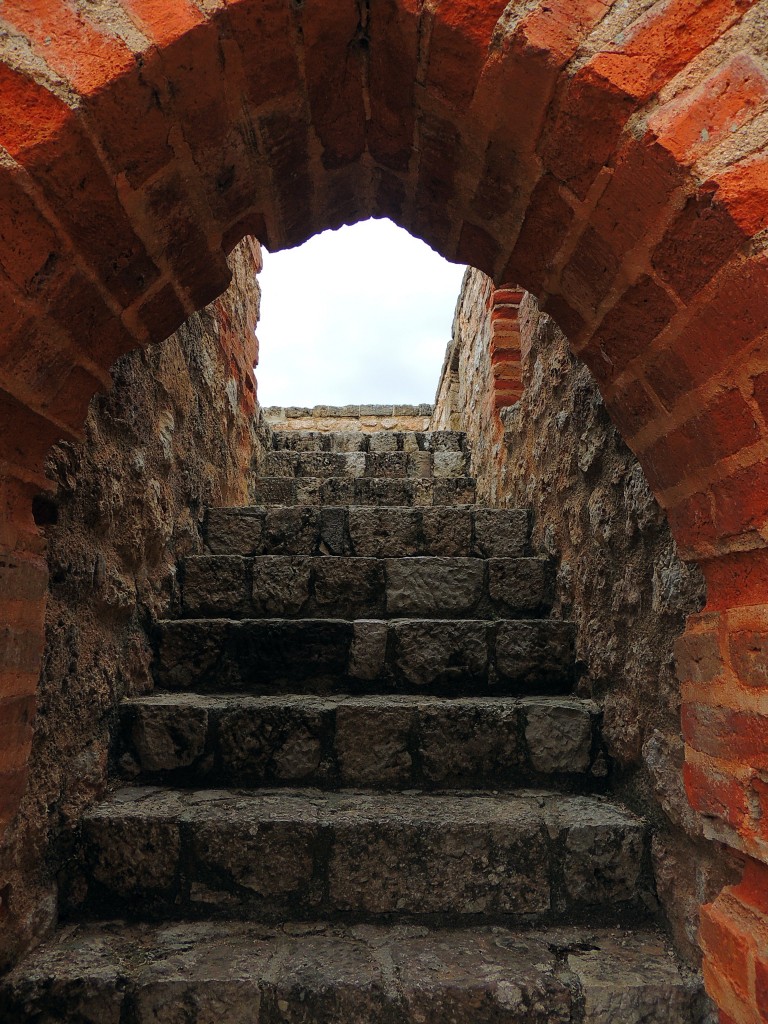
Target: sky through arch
<point x="362" y="314"/>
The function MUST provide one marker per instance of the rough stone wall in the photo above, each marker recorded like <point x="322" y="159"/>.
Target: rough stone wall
<point x="177" y="432"/>
<point x="619" y="577"/>
<point x="465" y="394"/>
<point x="364" y="419"/>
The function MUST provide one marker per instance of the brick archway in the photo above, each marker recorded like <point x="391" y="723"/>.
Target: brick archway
<point x="609" y="157"/>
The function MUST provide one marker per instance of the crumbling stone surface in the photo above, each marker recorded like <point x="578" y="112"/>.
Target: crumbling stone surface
<point x="318" y="972"/>
<point x="619" y="577"/>
<point x="177" y="433"/>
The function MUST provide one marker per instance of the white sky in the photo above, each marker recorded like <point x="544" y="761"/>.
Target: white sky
<point x="362" y="314"/>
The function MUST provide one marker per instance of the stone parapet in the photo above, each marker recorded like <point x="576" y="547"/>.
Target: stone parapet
<point x="363" y="418"/>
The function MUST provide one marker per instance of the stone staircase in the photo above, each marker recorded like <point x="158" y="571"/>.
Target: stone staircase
<point x="363" y="790"/>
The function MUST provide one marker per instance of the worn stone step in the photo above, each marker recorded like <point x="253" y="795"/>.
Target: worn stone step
<point x="317" y="973"/>
<point x="267" y="854"/>
<point x="397" y="742"/>
<point x="379" y="441"/>
<point x="381" y="465"/>
<point x="335" y="490"/>
<point x="369" y="532"/>
<point x="306" y="586"/>
<point x="449" y="656"/>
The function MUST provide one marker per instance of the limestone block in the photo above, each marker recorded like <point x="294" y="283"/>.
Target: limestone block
<point x="434" y="586"/>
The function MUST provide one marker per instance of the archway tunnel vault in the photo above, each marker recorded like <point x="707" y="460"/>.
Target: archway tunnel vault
<point x="609" y="157"/>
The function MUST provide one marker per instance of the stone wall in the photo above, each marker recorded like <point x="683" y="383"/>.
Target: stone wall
<point x="177" y="432"/>
<point x="619" y="576"/>
<point x="465" y="395"/>
<point x="360" y="418"/>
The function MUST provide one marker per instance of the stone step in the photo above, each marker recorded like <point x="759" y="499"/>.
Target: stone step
<point x="379" y="441"/>
<point x="448" y="656"/>
<point x="369" y="532"/>
<point x="530" y="857"/>
<point x="396" y="742"/>
<point x="318" y="973"/>
<point x="308" y="586"/>
<point x="340" y="490"/>
<point x="384" y="465"/>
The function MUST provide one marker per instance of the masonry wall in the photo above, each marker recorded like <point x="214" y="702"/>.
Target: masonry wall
<point x="465" y="394"/>
<point x="179" y="431"/>
<point x="619" y="576"/>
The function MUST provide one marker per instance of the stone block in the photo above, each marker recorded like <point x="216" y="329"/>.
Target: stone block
<point x="368" y="650"/>
<point x="501" y="533"/>
<point x="535" y="656"/>
<point x="602" y="851"/>
<point x="447" y="653"/>
<point x="419" y="464"/>
<point x="447" y="531"/>
<point x="387" y="465"/>
<point x="265" y="740"/>
<point x="558" y="735"/>
<point x="215" y="585"/>
<point x="449" y="464"/>
<point x="338" y="490"/>
<point x="438" y="855"/>
<point x="334" y="532"/>
<point x="384" y="532"/>
<point x="234" y="531"/>
<point x="165" y="737"/>
<point x="454" y="491"/>
<point x="282" y="464"/>
<point x="349" y="587"/>
<point x="291" y="531"/>
<point x="372" y="745"/>
<point x="274" y="491"/>
<point x="520" y="585"/>
<point x="469" y="741"/>
<point x="381" y="441"/>
<point x="434" y="586"/>
<point x="281" y="585"/>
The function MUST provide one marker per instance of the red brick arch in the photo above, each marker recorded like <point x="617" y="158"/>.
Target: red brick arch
<point x="610" y="157"/>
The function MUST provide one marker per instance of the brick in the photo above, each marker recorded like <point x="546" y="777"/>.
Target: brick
<point x="17" y="716"/>
<point x="663" y="40"/>
<point x="743" y="190"/>
<point x="748" y="650"/>
<point x="459" y="41"/>
<point x="728" y="948"/>
<point x="393" y="37"/>
<point x="286" y="137"/>
<point x="440" y="149"/>
<point x="590" y="270"/>
<point x="163" y="23"/>
<point x="669" y="376"/>
<point x="741" y="501"/>
<point x="631" y="409"/>
<point x="641" y="313"/>
<point x="584" y="129"/>
<point x="162" y="313"/>
<point x="698" y="658"/>
<point x="30" y="247"/>
<point x="12" y="787"/>
<point x="716" y="795"/>
<point x="546" y="225"/>
<point x="736" y="579"/>
<point x="699" y="241"/>
<point x="643" y="181"/>
<point x="334" y="54"/>
<point x="63" y="163"/>
<point x="79" y="50"/>
<point x="692" y="124"/>
<point x="727" y="734"/>
<point x="267" y="30"/>
<point x="478" y="248"/>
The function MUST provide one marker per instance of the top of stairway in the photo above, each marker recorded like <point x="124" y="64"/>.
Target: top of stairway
<point x="361" y="418"/>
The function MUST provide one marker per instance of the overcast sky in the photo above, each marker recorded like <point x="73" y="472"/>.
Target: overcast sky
<point x="362" y="314"/>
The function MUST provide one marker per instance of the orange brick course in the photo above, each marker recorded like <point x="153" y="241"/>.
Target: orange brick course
<point x="141" y="139"/>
